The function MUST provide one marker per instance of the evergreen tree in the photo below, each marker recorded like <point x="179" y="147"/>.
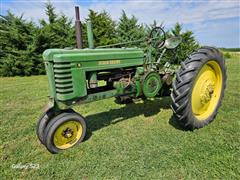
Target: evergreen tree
<point x="50" y="11"/>
<point x="104" y="32"/>
<point x="188" y="45"/>
<point x="22" y="42"/>
<point x="16" y="38"/>
<point x="58" y="32"/>
<point x="128" y="29"/>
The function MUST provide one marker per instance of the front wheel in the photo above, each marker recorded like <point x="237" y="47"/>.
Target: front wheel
<point x="45" y="119"/>
<point x="64" y="131"/>
<point x="199" y="88"/>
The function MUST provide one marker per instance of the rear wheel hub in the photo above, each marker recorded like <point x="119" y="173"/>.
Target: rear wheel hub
<point x="206" y="92"/>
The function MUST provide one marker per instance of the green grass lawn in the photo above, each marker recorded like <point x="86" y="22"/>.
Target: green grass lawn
<point x="135" y="141"/>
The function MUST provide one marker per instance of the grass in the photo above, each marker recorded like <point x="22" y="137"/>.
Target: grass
<point x="123" y="142"/>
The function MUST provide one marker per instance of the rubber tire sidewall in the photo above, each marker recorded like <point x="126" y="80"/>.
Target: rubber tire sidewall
<point x="42" y="123"/>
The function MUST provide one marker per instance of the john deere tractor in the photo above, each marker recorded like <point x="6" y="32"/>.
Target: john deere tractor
<point x="78" y="76"/>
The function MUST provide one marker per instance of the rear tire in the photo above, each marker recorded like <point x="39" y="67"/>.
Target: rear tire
<point x="199" y="88"/>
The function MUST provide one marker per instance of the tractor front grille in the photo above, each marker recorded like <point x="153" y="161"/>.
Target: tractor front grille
<point x="63" y="77"/>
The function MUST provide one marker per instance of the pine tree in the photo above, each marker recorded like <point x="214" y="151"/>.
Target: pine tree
<point x="128" y="29"/>
<point x="58" y="32"/>
<point x="188" y="44"/>
<point x="104" y="32"/>
<point x="22" y="42"/>
<point x="16" y="39"/>
<point x="50" y="11"/>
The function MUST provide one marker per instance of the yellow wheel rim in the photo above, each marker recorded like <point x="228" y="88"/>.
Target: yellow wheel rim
<point x="67" y="134"/>
<point x="206" y="90"/>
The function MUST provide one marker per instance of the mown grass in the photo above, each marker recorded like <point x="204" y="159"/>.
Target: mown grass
<point x="123" y="142"/>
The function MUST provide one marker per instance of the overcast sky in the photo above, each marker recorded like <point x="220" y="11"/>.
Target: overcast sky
<point x="214" y="22"/>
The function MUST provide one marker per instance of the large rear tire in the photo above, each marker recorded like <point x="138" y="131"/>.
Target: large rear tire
<point x="199" y="88"/>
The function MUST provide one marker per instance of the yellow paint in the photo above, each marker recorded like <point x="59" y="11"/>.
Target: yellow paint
<point x="206" y="90"/>
<point x="109" y="62"/>
<point x="67" y="134"/>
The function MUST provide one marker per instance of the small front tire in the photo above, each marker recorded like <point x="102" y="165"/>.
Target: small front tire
<point x="64" y="131"/>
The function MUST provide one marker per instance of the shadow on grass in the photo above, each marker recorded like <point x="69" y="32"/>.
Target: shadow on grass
<point x="174" y="122"/>
<point x="147" y="108"/>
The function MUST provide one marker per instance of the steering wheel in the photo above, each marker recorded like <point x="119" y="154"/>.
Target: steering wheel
<point x="157" y="37"/>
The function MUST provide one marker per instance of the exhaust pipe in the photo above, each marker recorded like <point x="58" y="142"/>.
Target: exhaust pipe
<point x="78" y="28"/>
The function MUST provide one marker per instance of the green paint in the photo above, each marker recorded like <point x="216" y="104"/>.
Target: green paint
<point x="73" y="74"/>
<point x="67" y="70"/>
<point x="138" y="88"/>
<point x="98" y="96"/>
<point x="50" y="75"/>
<point x="151" y="84"/>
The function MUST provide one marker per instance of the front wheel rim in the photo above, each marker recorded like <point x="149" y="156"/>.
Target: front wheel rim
<point x="67" y="134"/>
<point x="206" y="90"/>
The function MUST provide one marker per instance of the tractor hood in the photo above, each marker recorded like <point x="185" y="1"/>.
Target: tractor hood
<point x="65" y="55"/>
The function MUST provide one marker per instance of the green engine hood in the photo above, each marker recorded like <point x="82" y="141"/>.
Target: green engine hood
<point x="63" y="55"/>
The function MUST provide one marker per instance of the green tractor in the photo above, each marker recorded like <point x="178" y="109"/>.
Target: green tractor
<point x="78" y="76"/>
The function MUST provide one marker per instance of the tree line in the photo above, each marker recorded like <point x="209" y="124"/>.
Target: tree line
<point x="23" y="42"/>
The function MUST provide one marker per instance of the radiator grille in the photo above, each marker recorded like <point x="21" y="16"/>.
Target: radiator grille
<point x="63" y="77"/>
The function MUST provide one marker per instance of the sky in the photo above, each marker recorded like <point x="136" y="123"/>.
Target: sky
<point x="213" y="22"/>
